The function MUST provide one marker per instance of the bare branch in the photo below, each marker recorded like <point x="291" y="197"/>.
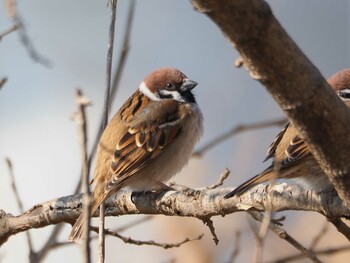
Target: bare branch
<point x="129" y="240"/>
<point x="340" y="226"/>
<point x="273" y="58"/>
<point x="13" y="28"/>
<point x="321" y="252"/>
<point x="261" y="235"/>
<point x="119" y="71"/>
<point x="319" y="236"/>
<point x="223" y="177"/>
<point x="284" y="235"/>
<point x="210" y="224"/>
<point x="113" y="6"/>
<point x="51" y="243"/>
<point x="80" y="117"/>
<point x="13" y="13"/>
<point x="3" y="82"/>
<point x="236" y="130"/>
<point x="197" y="203"/>
<point x="19" y="203"/>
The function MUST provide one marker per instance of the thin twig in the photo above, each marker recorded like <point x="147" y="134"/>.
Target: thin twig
<point x="209" y="223"/>
<point x="80" y="117"/>
<point x="261" y="236"/>
<point x="3" y="82"/>
<point x="236" y="130"/>
<point x="341" y="226"/>
<point x="49" y="244"/>
<point x="101" y="235"/>
<point x="19" y="203"/>
<point x="129" y="240"/>
<point x="236" y="249"/>
<point x="321" y="252"/>
<point x="55" y="244"/>
<point x="223" y="177"/>
<point x="284" y="235"/>
<point x="119" y="71"/>
<point x="319" y="236"/>
<point x="13" y="13"/>
<point x="113" y="6"/>
<point x="13" y="28"/>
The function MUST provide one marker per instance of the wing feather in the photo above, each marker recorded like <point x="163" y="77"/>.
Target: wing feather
<point x="272" y="149"/>
<point x="142" y="143"/>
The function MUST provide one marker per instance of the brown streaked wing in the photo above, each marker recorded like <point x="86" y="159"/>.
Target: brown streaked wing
<point x="272" y="149"/>
<point x="296" y="150"/>
<point x="143" y="143"/>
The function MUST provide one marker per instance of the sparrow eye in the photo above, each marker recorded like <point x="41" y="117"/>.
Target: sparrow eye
<point x="170" y="86"/>
<point x="344" y="94"/>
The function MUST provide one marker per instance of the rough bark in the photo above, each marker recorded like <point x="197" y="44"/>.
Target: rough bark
<point x="273" y="58"/>
<point x="201" y="204"/>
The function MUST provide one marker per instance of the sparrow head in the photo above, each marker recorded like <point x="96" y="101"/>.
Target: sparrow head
<point x="340" y="82"/>
<point x="168" y="83"/>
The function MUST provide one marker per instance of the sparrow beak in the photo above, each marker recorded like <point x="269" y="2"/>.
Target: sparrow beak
<point x="188" y="85"/>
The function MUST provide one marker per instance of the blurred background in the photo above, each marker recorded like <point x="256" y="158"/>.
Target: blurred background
<point x="37" y="101"/>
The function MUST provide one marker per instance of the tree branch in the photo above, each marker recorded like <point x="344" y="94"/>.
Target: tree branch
<point x="273" y="58"/>
<point x="201" y="204"/>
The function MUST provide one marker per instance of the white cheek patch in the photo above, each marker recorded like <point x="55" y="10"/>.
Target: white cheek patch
<point x="145" y="90"/>
<point x="175" y="94"/>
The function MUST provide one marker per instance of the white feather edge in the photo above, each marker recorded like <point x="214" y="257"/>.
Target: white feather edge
<point x="145" y="90"/>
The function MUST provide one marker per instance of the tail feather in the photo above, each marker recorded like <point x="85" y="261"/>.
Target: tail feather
<point x="78" y="227"/>
<point x="260" y="178"/>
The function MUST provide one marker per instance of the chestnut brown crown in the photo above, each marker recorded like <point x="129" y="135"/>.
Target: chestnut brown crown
<point x="168" y="83"/>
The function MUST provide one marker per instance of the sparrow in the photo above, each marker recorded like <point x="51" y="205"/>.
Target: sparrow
<point x="148" y="140"/>
<point x="292" y="158"/>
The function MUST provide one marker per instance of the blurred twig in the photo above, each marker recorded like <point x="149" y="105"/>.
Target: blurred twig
<point x="19" y="203"/>
<point x="340" y="225"/>
<point x="13" y="28"/>
<point x="319" y="236"/>
<point x="260" y="236"/>
<point x="321" y="252"/>
<point x="235" y="130"/>
<point x="284" y="235"/>
<point x="312" y="247"/>
<point x="80" y="117"/>
<point x="13" y="13"/>
<point x="3" y="82"/>
<point x="236" y="249"/>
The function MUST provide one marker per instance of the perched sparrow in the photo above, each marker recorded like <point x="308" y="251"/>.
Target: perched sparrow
<point x="148" y="140"/>
<point x="292" y="157"/>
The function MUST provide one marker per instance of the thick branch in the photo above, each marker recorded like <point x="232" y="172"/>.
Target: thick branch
<point x="191" y="203"/>
<point x="275" y="60"/>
